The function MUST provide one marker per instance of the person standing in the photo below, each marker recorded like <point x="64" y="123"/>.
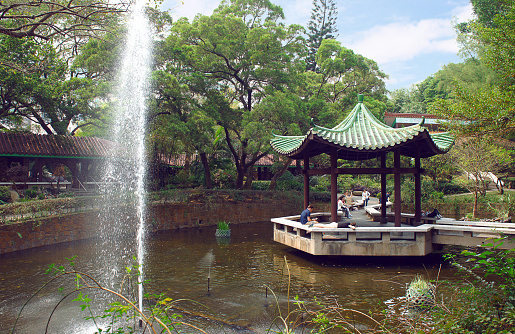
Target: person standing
<point x="365" y="196"/>
<point x="305" y="216"/>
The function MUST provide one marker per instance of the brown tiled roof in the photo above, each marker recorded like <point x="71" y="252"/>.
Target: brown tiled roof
<point x="179" y="160"/>
<point x="30" y="144"/>
<point x="411" y="115"/>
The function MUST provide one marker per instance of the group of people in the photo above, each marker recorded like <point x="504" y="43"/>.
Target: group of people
<point x="343" y="207"/>
<point x="305" y="218"/>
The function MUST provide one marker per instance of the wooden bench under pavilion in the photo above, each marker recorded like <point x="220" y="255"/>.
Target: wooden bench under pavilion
<point x="361" y="136"/>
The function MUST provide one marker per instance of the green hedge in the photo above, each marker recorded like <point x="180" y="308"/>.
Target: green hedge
<point x="41" y="208"/>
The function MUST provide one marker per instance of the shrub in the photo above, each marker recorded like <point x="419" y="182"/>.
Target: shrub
<point x="288" y="181"/>
<point x="260" y="185"/>
<point x="320" y="196"/>
<point x="320" y="182"/>
<point x="5" y="193"/>
<point x="31" y="193"/>
<point x="345" y="182"/>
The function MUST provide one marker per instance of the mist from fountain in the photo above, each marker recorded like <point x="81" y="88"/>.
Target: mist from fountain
<point x="124" y="178"/>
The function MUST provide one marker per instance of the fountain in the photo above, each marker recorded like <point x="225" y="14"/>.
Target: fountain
<point x="124" y="177"/>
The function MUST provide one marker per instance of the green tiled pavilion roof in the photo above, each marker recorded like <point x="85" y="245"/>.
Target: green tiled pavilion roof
<point x="362" y="136"/>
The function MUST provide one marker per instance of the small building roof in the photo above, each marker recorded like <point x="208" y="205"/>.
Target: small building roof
<point x="361" y="136"/>
<point x="34" y="145"/>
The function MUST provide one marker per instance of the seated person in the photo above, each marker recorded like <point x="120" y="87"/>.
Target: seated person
<point x="305" y="216"/>
<point x="342" y="207"/>
<point x="334" y="225"/>
<point x="434" y="214"/>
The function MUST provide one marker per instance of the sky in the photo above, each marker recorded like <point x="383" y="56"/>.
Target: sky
<point x="409" y="39"/>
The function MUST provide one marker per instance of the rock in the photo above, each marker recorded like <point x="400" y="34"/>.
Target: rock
<point x="15" y="197"/>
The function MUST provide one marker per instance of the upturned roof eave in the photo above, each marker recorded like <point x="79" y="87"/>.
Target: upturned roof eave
<point x="309" y="148"/>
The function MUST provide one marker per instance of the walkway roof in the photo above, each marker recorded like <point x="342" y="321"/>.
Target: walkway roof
<point x="33" y="145"/>
<point x="361" y="136"/>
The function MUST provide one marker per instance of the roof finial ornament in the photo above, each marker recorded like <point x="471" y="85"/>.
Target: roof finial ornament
<point x="423" y="121"/>
<point x="312" y="122"/>
<point x="360" y="98"/>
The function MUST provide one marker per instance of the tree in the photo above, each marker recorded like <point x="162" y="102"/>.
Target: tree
<point x="342" y="76"/>
<point x="322" y="25"/>
<point x="45" y="95"/>
<point x="248" y="55"/>
<point x="67" y="19"/>
<point x="490" y="110"/>
<point x="471" y="74"/>
<point x="477" y="157"/>
<point x="439" y="168"/>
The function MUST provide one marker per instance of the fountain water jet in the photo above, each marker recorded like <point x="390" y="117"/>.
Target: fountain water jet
<point x="125" y="175"/>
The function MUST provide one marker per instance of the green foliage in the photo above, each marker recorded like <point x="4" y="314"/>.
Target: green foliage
<point x="320" y="196"/>
<point x="482" y="306"/>
<point x="5" y="193"/>
<point x="45" y="93"/>
<point x="260" y="185"/>
<point x="288" y="181"/>
<point x="345" y="182"/>
<point x="31" y="193"/>
<point x="223" y="225"/>
<point x="319" y="182"/>
<point x="240" y="53"/>
<point x="47" y="207"/>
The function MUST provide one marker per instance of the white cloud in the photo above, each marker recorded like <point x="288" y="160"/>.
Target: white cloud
<point x="189" y="8"/>
<point x="401" y="41"/>
<point x="404" y="40"/>
<point x="463" y="13"/>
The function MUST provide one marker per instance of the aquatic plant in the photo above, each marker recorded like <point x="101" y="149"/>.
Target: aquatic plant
<point x="420" y="293"/>
<point x="223" y="225"/>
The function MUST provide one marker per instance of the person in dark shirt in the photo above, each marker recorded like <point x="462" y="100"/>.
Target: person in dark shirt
<point x="305" y="216"/>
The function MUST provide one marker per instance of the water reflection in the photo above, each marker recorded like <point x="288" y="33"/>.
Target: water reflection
<point x="180" y="262"/>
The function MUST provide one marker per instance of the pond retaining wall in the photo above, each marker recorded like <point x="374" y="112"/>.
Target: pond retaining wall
<point x="161" y="217"/>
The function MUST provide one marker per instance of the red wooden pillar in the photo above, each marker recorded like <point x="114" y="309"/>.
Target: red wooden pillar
<point x="384" y="219"/>
<point x="418" y="190"/>
<point x="334" y="185"/>
<point x="397" y="186"/>
<point x="306" y="182"/>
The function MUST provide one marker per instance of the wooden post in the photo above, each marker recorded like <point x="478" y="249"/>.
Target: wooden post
<point x="334" y="184"/>
<point x="397" y="185"/>
<point x="306" y="183"/>
<point x="418" y="190"/>
<point x="383" y="219"/>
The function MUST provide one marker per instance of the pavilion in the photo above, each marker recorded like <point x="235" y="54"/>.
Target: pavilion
<point x="361" y="136"/>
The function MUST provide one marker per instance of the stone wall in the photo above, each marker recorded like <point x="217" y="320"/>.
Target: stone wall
<point x="77" y="226"/>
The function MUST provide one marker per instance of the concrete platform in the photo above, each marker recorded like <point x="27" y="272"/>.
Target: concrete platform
<point x="371" y="238"/>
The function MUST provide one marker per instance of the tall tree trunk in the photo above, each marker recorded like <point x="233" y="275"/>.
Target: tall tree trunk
<point x="284" y="168"/>
<point x="207" y="170"/>
<point x="250" y="177"/>
<point x="239" y="178"/>
<point x="476" y="193"/>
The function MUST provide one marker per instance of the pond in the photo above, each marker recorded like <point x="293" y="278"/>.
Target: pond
<point x="179" y="263"/>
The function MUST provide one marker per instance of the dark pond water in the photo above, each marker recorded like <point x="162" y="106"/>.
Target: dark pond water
<point x="179" y="263"/>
